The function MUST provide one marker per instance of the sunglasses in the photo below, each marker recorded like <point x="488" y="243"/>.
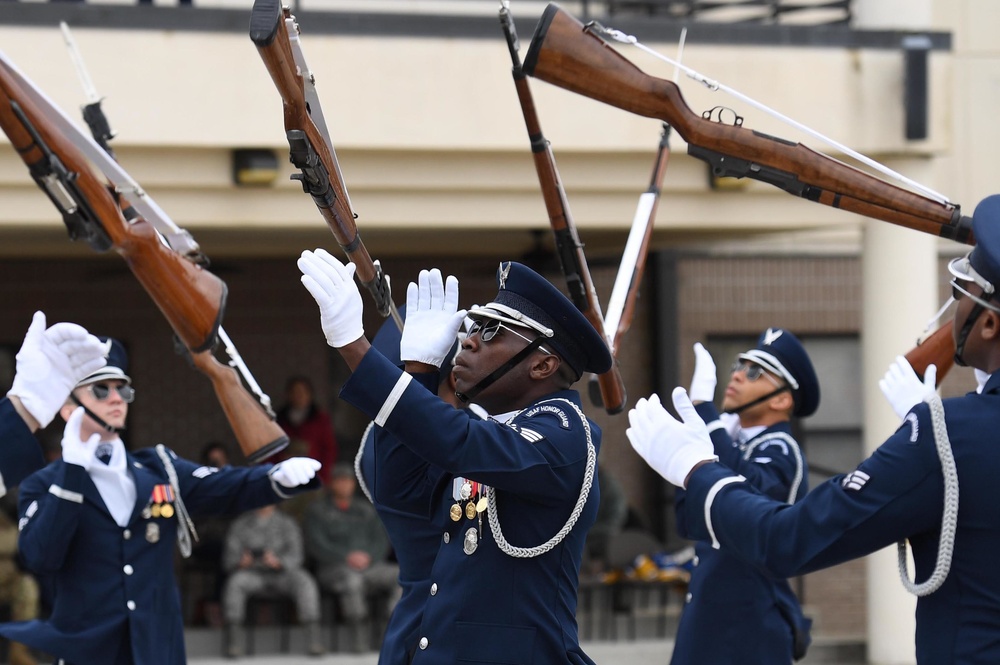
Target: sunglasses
<point x="753" y="371"/>
<point x="101" y="391"/>
<point x="488" y="329"/>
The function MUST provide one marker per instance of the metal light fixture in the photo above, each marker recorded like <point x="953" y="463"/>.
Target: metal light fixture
<point x="254" y="167"/>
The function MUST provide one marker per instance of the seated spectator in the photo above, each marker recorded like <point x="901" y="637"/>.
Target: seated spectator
<point x="18" y="589"/>
<point x="349" y="545"/>
<point x="302" y="418"/>
<point x="263" y="553"/>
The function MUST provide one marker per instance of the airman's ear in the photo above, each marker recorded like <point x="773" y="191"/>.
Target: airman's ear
<point x="544" y="366"/>
<point x="990" y="329"/>
<point x="783" y="401"/>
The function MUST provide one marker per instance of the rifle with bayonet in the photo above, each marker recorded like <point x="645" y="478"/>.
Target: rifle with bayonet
<point x="275" y="33"/>
<point x="569" y="249"/>
<point x="61" y="161"/>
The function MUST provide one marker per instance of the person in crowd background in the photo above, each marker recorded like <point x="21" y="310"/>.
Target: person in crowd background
<point x="263" y="553"/>
<point x="349" y="546"/>
<point x="303" y="420"/>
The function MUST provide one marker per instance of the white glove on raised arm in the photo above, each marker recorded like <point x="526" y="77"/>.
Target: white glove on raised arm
<point x="704" y="379"/>
<point x="332" y="285"/>
<point x="75" y="450"/>
<point x="295" y="471"/>
<point x="671" y="447"/>
<point x="903" y="389"/>
<point x="432" y="318"/>
<point x="51" y="362"/>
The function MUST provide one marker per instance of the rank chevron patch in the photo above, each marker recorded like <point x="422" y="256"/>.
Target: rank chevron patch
<point x="855" y="480"/>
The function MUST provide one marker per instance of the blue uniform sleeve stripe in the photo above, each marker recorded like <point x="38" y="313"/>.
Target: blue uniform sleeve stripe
<point x="710" y="498"/>
<point x="392" y="399"/>
<point x="75" y="497"/>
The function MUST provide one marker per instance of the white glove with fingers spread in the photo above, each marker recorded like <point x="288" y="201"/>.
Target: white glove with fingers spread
<point x="903" y="389"/>
<point x="75" y="450"/>
<point x="295" y="471"/>
<point x="332" y="285"/>
<point x="671" y="447"/>
<point x="51" y="362"/>
<point x="704" y="379"/>
<point x="432" y="318"/>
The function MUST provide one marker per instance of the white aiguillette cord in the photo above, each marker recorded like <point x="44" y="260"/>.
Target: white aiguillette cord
<point x="185" y="527"/>
<point x="949" y="517"/>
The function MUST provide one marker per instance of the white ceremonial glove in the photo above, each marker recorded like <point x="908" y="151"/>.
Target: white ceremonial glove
<point x="704" y="379"/>
<point x="671" y="447"/>
<point x="74" y="450"/>
<point x="432" y="318"/>
<point x="731" y="422"/>
<point x="903" y="388"/>
<point x="51" y="362"/>
<point x="332" y="284"/>
<point x="295" y="471"/>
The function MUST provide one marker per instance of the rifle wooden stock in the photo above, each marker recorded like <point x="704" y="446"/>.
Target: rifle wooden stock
<point x="192" y="299"/>
<point x="937" y="349"/>
<point x="258" y="434"/>
<point x="567" y="54"/>
<point x="320" y="175"/>
<point x="655" y="182"/>
<point x="568" y="246"/>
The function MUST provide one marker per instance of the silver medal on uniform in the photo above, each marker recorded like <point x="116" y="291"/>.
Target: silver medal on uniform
<point x="152" y="532"/>
<point x="471" y="541"/>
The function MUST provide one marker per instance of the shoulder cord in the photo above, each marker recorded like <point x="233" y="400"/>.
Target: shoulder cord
<point x="185" y="527"/>
<point x="949" y="520"/>
<point x="794" y="445"/>
<point x="357" y="463"/>
<point x="588" y="481"/>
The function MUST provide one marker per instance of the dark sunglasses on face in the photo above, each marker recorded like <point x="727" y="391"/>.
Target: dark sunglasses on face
<point x="489" y="328"/>
<point x="753" y="371"/>
<point x="101" y="391"/>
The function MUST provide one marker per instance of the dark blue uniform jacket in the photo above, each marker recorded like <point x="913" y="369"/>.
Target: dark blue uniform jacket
<point x="487" y="606"/>
<point x="896" y="493"/>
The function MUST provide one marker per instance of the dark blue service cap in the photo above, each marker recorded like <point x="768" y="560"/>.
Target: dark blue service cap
<point x="984" y="259"/>
<point x="116" y="369"/>
<point x="528" y="300"/>
<point x="781" y="353"/>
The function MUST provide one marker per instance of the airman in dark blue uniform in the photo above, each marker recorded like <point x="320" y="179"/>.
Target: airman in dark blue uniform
<point x="931" y="483"/>
<point x="102" y="522"/>
<point x="522" y="490"/>
<point x="735" y="612"/>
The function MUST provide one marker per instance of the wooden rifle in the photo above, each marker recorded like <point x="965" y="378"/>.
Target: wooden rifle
<point x="569" y="249"/>
<point x="60" y="159"/>
<point x="571" y="55"/>
<point x="275" y="33"/>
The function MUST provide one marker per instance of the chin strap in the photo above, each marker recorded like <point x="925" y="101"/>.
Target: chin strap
<point x="759" y="400"/>
<point x="500" y="371"/>
<point x="97" y="419"/>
